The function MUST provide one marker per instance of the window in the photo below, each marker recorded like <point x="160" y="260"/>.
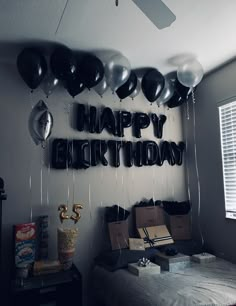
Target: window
<point x="227" y="113"/>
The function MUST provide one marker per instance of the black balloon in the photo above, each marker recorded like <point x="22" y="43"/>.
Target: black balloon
<point x="128" y="153"/>
<point x="92" y="70"/>
<point x="98" y="150"/>
<point x="74" y="85"/>
<point x="107" y="121"/>
<point x="92" y="119"/>
<point x="178" y="152"/>
<point x="158" y="123"/>
<point x="32" y="67"/>
<point x="115" y="152"/>
<point x="162" y="120"/>
<point x="166" y="153"/>
<point x="141" y="121"/>
<point x="182" y="90"/>
<point x="63" y="63"/>
<point x="61" y="154"/>
<point x="81" y="158"/>
<point x="150" y="153"/>
<point x="124" y="120"/>
<point x="139" y="154"/>
<point x="175" y="101"/>
<point x="128" y="87"/>
<point x="153" y="83"/>
<point x="81" y="118"/>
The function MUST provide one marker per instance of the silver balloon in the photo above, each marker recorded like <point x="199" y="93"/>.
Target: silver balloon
<point x="40" y="123"/>
<point x="167" y="92"/>
<point x="136" y="91"/>
<point x="49" y="84"/>
<point x="117" y="71"/>
<point x="101" y="88"/>
<point x="190" y="73"/>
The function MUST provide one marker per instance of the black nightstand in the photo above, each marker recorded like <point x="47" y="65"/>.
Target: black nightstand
<point x="57" y="289"/>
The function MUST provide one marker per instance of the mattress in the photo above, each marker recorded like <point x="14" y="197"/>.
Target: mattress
<point x="201" y="284"/>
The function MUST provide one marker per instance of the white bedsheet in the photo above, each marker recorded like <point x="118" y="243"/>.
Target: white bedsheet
<point x="209" y="284"/>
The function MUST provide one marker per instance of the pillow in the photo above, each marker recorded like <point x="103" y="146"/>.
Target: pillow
<point x="118" y="259"/>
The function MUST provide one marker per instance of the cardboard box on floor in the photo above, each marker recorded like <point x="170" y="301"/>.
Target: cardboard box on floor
<point x="179" y="226"/>
<point x="149" y="216"/>
<point x="159" y="235"/>
<point x="119" y="234"/>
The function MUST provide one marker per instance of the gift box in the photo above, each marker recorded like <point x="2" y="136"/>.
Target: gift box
<point x="172" y="263"/>
<point x="119" y="234"/>
<point x="149" y="216"/>
<point x="179" y="226"/>
<point x="150" y="269"/>
<point x="155" y="236"/>
<point x="136" y="244"/>
<point x="203" y="258"/>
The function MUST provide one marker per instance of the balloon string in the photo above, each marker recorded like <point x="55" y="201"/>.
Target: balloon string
<point x="31" y="100"/>
<point x="41" y="179"/>
<point x="153" y="184"/>
<point x="187" y="164"/>
<point x="30" y="170"/>
<point x="193" y="95"/>
<point x="67" y="170"/>
<point x="187" y="110"/>
<point x="197" y="174"/>
<point x="90" y="206"/>
<point x="60" y="20"/>
<point x="30" y="192"/>
<point x="73" y="177"/>
<point x="49" y="170"/>
<point x="187" y="161"/>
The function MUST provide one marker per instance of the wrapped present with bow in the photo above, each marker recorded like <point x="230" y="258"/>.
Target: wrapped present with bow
<point x="155" y="236"/>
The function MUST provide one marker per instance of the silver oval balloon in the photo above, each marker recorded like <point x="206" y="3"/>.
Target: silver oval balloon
<point x="190" y="73"/>
<point x="136" y="91"/>
<point x="49" y="84"/>
<point x="117" y="71"/>
<point x="167" y="92"/>
<point x="102" y="87"/>
<point x="40" y="123"/>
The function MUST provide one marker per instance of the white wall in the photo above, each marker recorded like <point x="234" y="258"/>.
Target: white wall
<point x="20" y="158"/>
<point x="217" y="231"/>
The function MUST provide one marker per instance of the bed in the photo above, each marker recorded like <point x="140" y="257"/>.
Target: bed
<point x="201" y="284"/>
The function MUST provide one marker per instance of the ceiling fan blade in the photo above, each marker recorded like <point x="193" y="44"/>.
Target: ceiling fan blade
<point x="157" y="12"/>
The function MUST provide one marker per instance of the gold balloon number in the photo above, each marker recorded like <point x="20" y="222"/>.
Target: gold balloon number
<point x="76" y="212"/>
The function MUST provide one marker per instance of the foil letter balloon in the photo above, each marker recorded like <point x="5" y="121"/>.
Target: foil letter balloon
<point x="40" y="123"/>
<point x="76" y="211"/>
<point x="63" y="210"/>
<point x="117" y="71"/>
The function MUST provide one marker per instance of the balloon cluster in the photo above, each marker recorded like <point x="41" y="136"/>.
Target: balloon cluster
<point x="79" y="71"/>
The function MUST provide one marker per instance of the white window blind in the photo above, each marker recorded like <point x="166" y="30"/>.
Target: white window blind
<point x="227" y="115"/>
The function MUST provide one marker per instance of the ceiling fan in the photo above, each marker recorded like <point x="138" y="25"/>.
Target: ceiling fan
<point x="156" y="11"/>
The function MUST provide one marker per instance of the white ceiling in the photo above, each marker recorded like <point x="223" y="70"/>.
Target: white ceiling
<point x="203" y="28"/>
